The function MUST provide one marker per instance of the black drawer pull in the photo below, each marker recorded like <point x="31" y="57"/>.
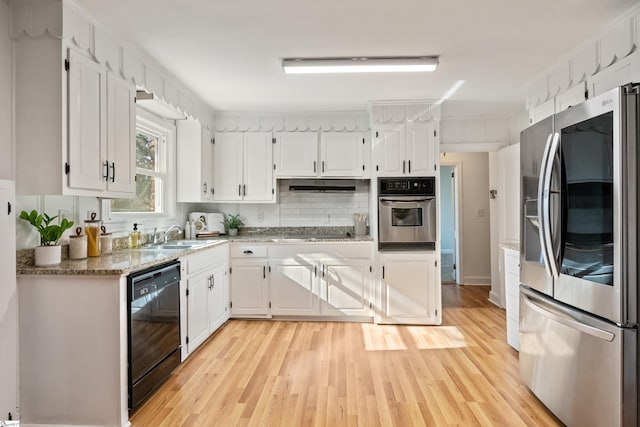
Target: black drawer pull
<point x="248" y="252"/>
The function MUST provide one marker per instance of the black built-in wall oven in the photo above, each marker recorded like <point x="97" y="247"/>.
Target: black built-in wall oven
<point x="407" y="213"/>
<point x="154" y="329"/>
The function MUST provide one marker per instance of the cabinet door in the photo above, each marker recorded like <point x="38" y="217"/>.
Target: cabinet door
<point x="342" y="154"/>
<point x="189" y="140"/>
<point x="420" y="140"/>
<point x="197" y="309"/>
<point x="207" y="165"/>
<point x="249" y="289"/>
<point x="121" y="133"/>
<point x="409" y="289"/>
<point x="218" y="304"/>
<point x="296" y="154"/>
<point x="87" y="124"/>
<point x="346" y="290"/>
<point x="390" y="151"/>
<point x="293" y="288"/>
<point x="258" y="183"/>
<point x="227" y="170"/>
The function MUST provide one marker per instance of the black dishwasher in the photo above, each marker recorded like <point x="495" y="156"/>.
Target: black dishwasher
<point x="154" y="329"/>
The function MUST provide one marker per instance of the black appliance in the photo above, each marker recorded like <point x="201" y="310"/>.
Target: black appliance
<point x="153" y="329"/>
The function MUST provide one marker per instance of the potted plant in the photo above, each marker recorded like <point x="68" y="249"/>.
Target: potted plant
<point x="231" y="224"/>
<point x="49" y="252"/>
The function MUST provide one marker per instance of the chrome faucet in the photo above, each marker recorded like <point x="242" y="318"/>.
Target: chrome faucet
<point x="164" y="236"/>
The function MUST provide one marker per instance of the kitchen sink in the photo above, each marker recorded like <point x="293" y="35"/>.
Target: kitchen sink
<point x="177" y="244"/>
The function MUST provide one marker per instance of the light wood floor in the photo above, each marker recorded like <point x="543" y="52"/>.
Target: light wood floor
<point x="276" y="373"/>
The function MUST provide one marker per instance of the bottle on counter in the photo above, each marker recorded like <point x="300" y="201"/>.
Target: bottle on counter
<point x="106" y="242"/>
<point x="134" y="237"/>
<point x="187" y="230"/>
<point x="78" y="245"/>
<point x="92" y="230"/>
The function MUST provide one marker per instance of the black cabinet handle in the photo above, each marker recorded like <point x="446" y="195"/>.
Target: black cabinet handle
<point x="8" y="208"/>
<point x="239" y="190"/>
<point x="244" y="190"/>
<point x="205" y="188"/>
<point x="383" y="271"/>
<point x="248" y="252"/>
<point x="113" y="171"/>
<point x="323" y="166"/>
<point x="403" y="166"/>
<point x="106" y="171"/>
<point x="409" y="166"/>
<point x="264" y="272"/>
<point x="314" y="166"/>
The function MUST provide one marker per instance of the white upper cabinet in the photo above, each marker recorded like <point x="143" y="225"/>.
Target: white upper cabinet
<point x="121" y="131"/>
<point x="194" y="162"/>
<point x="342" y="154"/>
<point x="296" y="154"/>
<point x="339" y="155"/>
<point x="227" y="166"/>
<point x="243" y="167"/>
<point x="78" y="128"/>
<point x="87" y="162"/>
<point x="406" y="149"/>
<point x="622" y="72"/>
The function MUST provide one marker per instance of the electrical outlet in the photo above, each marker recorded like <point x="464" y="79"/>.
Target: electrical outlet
<point x="481" y="212"/>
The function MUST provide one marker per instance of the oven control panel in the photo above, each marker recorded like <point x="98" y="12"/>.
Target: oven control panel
<point x="422" y="186"/>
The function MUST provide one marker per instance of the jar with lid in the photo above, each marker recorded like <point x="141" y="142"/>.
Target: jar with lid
<point x="106" y="242"/>
<point x="92" y="230"/>
<point x="78" y="245"/>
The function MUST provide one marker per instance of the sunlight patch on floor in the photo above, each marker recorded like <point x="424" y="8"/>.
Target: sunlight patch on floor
<point x="387" y="337"/>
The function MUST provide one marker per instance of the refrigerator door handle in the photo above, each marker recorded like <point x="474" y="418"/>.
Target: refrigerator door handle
<point x="541" y="217"/>
<point x="546" y="206"/>
<point x="568" y="321"/>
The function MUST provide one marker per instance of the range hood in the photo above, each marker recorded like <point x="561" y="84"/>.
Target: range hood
<point x="153" y="103"/>
<point x="322" y="185"/>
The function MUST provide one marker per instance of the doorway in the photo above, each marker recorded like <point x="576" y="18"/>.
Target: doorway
<point x="449" y="225"/>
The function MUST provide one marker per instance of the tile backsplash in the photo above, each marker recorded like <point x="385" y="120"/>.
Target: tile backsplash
<point x="299" y="208"/>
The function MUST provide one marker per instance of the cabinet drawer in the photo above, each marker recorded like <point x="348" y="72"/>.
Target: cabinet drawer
<point x="248" y="251"/>
<point x="205" y="259"/>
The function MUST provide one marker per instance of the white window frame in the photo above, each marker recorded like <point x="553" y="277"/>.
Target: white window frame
<point x="121" y="221"/>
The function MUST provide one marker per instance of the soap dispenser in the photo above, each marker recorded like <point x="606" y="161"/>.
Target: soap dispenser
<point x="134" y="237"/>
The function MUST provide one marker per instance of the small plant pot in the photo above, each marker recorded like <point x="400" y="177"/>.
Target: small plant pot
<point x="233" y="232"/>
<point x="48" y="255"/>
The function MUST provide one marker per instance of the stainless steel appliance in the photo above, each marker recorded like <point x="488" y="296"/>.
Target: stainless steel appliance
<point x="579" y="258"/>
<point x="154" y="329"/>
<point x="407" y="213"/>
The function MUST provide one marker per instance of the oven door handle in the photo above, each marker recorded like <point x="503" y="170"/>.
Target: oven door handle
<point x="430" y="199"/>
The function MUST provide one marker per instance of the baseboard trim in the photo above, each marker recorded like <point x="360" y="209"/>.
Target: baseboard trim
<point x="494" y="299"/>
<point x="476" y="280"/>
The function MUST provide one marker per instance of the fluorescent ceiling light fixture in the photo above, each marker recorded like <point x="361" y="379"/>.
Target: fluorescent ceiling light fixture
<point x="451" y="91"/>
<point x="359" y="65"/>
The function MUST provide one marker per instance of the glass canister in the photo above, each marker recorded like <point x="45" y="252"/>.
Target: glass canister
<point x="78" y="245"/>
<point x="92" y="230"/>
<point x="106" y="242"/>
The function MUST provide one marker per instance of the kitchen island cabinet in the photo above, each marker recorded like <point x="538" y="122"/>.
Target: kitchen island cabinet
<point x="409" y="289"/>
<point x="73" y="350"/>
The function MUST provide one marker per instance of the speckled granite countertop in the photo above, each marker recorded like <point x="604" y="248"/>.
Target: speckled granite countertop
<point x="515" y="246"/>
<point x="125" y="261"/>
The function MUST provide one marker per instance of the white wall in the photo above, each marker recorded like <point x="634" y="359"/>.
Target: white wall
<point x="297" y="209"/>
<point x="9" y="301"/>
<point x="473" y="173"/>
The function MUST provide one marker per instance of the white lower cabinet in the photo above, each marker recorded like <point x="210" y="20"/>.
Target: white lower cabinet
<point x="206" y="293"/>
<point x="512" y="292"/>
<point x="409" y="289"/>
<point x="321" y="279"/>
<point x="294" y="288"/>
<point x="249" y="281"/>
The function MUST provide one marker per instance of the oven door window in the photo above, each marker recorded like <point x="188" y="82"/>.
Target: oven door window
<point x="587" y="202"/>
<point x="406" y="217"/>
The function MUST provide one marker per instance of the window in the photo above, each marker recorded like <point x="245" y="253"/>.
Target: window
<point x="155" y="148"/>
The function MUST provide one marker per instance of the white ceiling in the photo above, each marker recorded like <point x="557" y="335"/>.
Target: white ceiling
<point x="229" y="51"/>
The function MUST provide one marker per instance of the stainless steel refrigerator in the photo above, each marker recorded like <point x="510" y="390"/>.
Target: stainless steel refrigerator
<point x="579" y="258"/>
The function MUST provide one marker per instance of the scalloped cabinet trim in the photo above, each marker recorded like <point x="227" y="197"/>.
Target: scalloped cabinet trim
<point x="404" y="111"/>
<point x="293" y="122"/>
<point x="588" y="61"/>
<point x="64" y="21"/>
